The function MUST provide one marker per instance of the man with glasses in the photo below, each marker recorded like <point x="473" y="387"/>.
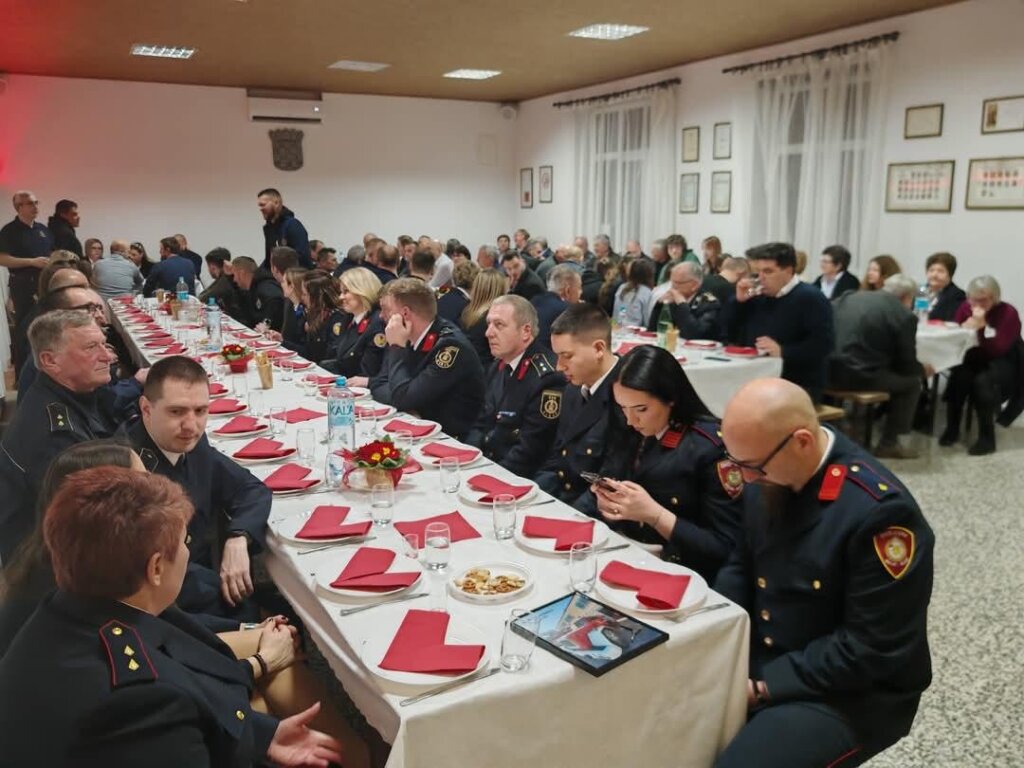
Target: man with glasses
<point x="835" y="569"/>
<point x="25" y="247"/>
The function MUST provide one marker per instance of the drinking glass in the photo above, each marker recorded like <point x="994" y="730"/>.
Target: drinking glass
<point x="305" y="442"/>
<point x="382" y="503"/>
<point x="504" y="511"/>
<point x="285" y="370"/>
<point x="256" y="406"/>
<point x="411" y="546"/>
<point x="450" y="475"/>
<point x="240" y="385"/>
<point x="437" y="538"/>
<point x="755" y="288"/>
<point x="222" y="371"/>
<point x="437" y="599"/>
<point x="277" y="419"/>
<point x="582" y="567"/>
<point x="402" y="440"/>
<point x="517" y="649"/>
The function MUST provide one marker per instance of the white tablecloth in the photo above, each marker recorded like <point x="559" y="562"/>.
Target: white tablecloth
<point x="677" y="705"/>
<point x="943" y="347"/>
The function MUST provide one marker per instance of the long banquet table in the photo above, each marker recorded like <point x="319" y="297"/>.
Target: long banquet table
<point x="678" y="704"/>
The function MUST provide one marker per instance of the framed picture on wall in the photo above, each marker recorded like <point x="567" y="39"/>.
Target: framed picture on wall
<point x="1002" y="115"/>
<point x="996" y="183"/>
<point x="691" y="144"/>
<point x="545" y="183"/>
<point x="923" y="122"/>
<point x="721" y="191"/>
<point x="689" y="188"/>
<point x="722" y="145"/>
<point x="526" y="187"/>
<point x="919" y="187"/>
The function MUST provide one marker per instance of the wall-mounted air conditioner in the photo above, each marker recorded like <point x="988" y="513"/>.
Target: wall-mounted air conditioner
<point x="269" y="106"/>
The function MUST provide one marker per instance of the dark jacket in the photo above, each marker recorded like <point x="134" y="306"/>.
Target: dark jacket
<point x="845" y="284"/>
<point x="837" y="593"/>
<point x="719" y="286"/>
<point x="119" y="687"/>
<point x="450" y="303"/>
<point x="875" y="332"/>
<point x="165" y="275"/>
<point x="529" y="285"/>
<point x="592" y="283"/>
<point x="322" y="343"/>
<point x="360" y="350"/>
<point x="224" y="291"/>
<point x="549" y="306"/>
<point x="195" y="258"/>
<point x="287" y="230"/>
<point x="476" y="336"/>
<point x="64" y="237"/>
<point x="947" y="302"/>
<point x="264" y="301"/>
<point x="696" y="319"/>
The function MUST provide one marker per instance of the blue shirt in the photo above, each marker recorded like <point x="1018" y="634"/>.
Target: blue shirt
<point x="165" y="275"/>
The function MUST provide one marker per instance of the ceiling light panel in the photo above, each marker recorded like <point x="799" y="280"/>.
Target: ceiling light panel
<point x="473" y="74"/>
<point x="358" y="66"/>
<point x="608" y="31"/>
<point x="162" y="51"/>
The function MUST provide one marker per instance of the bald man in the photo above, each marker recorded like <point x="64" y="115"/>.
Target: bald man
<point x="835" y="569"/>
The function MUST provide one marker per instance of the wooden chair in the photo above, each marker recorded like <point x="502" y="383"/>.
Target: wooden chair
<point x="864" y="403"/>
<point x="829" y="413"/>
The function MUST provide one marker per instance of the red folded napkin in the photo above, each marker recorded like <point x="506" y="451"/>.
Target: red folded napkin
<point x="295" y="365"/>
<point x="321" y="379"/>
<point x="295" y="415"/>
<point x="457" y="524"/>
<point x="364" y="412"/>
<point x="158" y="336"/>
<point x="326" y="523"/>
<point x="277" y="354"/>
<point x="647" y="334"/>
<point x="239" y="424"/>
<point x="564" y="532"/>
<point x="411" y="466"/>
<point x="263" y="448"/>
<point x="441" y="451"/>
<point x="265" y="344"/>
<point x="227" y="405"/>
<point x="419" y="646"/>
<point x="163" y="341"/>
<point x="492" y="487"/>
<point x="936" y="322"/>
<point x="290" y="477"/>
<point x="216" y="388"/>
<point x="626" y="347"/>
<point x="368" y="570"/>
<point x="174" y="349"/>
<point x="660" y="591"/>
<point x="417" y="430"/>
<point x="248" y="335"/>
<point x="745" y="351"/>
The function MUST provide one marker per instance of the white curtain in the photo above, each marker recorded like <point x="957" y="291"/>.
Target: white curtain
<point x="819" y="132"/>
<point x="625" y="167"/>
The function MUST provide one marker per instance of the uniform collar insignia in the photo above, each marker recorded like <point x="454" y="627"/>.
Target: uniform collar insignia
<point x="363" y="324"/>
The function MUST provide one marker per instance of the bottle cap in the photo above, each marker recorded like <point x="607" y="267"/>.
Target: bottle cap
<point x="341" y="381"/>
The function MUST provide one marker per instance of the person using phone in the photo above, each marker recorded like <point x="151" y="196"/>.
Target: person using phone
<point x="678" y="489"/>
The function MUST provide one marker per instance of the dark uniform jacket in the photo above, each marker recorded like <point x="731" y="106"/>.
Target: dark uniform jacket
<point x="587" y="430"/>
<point x="874" y="332"/>
<point x="837" y="582"/>
<point x="195" y="258"/>
<point x="450" y="303"/>
<point x="166" y="274"/>
<point x="264" y="301"/>
<point x="91" y="682"/>
<point x="719" y="286"/>
<point x="947" y="303"/>
<point x="360" y="350"/>
<point x="442" y="380"/>
<point x="224" y="291"/>
<point x="287" y="230"/>
<point x="529" y="285"/>
<point x="521" y="410"/>
<point x="64" y="237"/>
<point x="49" y="419"/>
<point x="293" y="326"/>
<point x="696" y="319"/>
<point x="688" y="474"/>
<point x="322" y="343"/>
<point x="549" y="306"/>
<point x="477" y="335"/>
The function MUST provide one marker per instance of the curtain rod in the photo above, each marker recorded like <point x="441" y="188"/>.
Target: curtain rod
<point x="820" y="53"/>
<point x="606" y="97"/>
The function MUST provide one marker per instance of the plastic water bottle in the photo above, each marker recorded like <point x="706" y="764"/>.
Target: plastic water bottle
<point x="621" y="317"/>
<point x="213" y="331"/>
<point x="181" y="289"/>
<point x="341" y="415"/>
<point x="921" y="303"/>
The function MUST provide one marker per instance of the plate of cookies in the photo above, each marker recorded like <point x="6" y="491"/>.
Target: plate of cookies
<point x="495" y="582"/>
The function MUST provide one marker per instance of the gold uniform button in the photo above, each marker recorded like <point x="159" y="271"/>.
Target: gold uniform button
<point x="565" y="451"/>
<point x="116" y="631"/>
<point x="855" y="468"/>
<point x="568" y="486"/>
<point x="765" y="615"/>
<point x="815" y="585"/>
<point x="769" y="642"/>
<point x="675" y="501"/>
<point x="589" y="451"/>
<point x="761" y="583"/>
<point x="240" y="714"/>
<point x="561" y="474"/>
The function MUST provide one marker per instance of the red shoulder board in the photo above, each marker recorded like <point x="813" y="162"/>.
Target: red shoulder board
<point x="429" y="342"/>
<point x="523" y="368"/>
<point x="832" y="485"/>
<point x="363" y="324"/>
<point x="895" y="548"/>
<point x="672" y="438"/>
<point x="129" y="662"/>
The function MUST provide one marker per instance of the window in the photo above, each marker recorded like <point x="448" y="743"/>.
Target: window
<point x="621" y="138"/>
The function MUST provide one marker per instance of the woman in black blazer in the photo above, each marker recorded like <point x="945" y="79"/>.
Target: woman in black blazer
<point x="487" y="286"/>
<point x="359" y="352"/>
<point x="946" y="296"/>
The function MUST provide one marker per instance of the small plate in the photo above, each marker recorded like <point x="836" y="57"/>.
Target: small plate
<point x="299" y="491"/>
<point x="496" y="569"/>
<point x="233" y="435"/>
<point x="262" y="346"/>
<point x="330" y="569"/>
<point x="547" y="546"/>
<point x="293" y="366"/>
<point x="705" y="344"/>
<point x="290" y="526"/>
<point x="382" y="632"/>
<point x="270" y="460"/>
<point x="360" y="393"/>
<point x="227" y="414"/>
<point x="435" y="428"/>
<point x="471" y="496"/>
<point x="621" y="597"/>
<point x="432" y="462"/>
<point x="283" y="354"/>
<point x="390" y="410"/>
<point x="247" y="335"/>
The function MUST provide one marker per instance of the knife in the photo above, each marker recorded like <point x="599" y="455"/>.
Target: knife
<point x="449" y="686"/>
<point x="399" y="599"/>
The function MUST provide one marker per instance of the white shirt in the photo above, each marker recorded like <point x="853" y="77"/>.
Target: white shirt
<point x="588" y="391"/>
<point x="171" y="457"/>
<point x="788" y="287"/>
<point x="829" y="286"/>
<point x="828" y="448"/>
<point x="514" y="362"/>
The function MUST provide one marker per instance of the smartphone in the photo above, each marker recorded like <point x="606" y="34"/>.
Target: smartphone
<point x="595" y="479"/>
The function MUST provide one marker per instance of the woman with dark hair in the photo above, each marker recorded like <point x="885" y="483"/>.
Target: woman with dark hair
<point x="93" y="249"/>
<point x="880" y="269"/>
<point x="325" y="321"/>
<point x="137" y="254"/>
<point x="633" y="298"/>
<point x="672" y="482"/>
<point x="946" y="297"/>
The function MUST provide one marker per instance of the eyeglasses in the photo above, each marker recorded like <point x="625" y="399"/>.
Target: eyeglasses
<point x="90" y="307"/>
<point x="758" y="468"/>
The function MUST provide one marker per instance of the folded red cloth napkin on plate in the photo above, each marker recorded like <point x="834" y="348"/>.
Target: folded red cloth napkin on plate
<point x="363" y="412"/>
<point x="226" y="405"/>
<point x="295" y="415"/>
<point x="247" y="335"/>
<point x="216" y="388"/>
<point x="320" y="379"/>
<point x="457" y="524"/>
<point x="157" y="336"/>
<point x="626" y="346"/>
<point x="147" y="327"/>
<point x="239" y="424"/>
<point x="745" y="351"/>
<point x="174" y="349"/>
<point x="441" y="451"/>
<point x="564" y="532"/>
<point x="368" y="570"/>
<point x="492" y="486"/>
<point x="647" y="334"/>
<point x="141" y="317"/>
<point x="417" y="430"/>
<point x="295" y="365"/>
<point x="699" y="344"/>
<point x="419" y="646"/>
<point x="163" y="341"/>
<point x="278" y="354"/>
<point x="290" y="477"/>
<point x="192" y="326"/>
<point x="263" y="448"/>
<point x="326" y="523"/>
<point x="654" y="589"/>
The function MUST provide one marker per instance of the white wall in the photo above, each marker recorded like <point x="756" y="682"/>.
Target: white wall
<point x="147" y="160"/>
<point x="958" y="55"/>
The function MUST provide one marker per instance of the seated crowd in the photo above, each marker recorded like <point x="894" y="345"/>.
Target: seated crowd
<point x="511" y="352"/>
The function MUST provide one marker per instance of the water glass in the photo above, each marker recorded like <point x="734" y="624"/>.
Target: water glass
<point x="437" y="539"/>
<point x="402" y="440"/>
<point x="285" y="371"/>
<point x="334" y="469"/>
<point x="305" y="442"/>
<point x="582" y="567"/>
<point x="437" y="599"/>
<point x="277" y="419"/>
<point x="516" y="649"/>
<point x="503" y="509"/>
<point x="411" y="546"/>
<point x="240" y="385"/>
<point x="382" y="503"/>
<point x="450" y="475"/>
<point x="256" y="406"/>
<point x="222" y="372"/>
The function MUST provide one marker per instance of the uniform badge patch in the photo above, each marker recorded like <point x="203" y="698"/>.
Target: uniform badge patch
<point x="550" y="404"/>
<point x="380" y="340"/>
<point x="895" y="548"/>
<point x="446" y="357"/>
<point x="731" y="478"/>
<point x="336" y="329"/>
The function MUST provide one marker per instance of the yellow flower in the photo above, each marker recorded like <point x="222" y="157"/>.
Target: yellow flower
<point x="375" y="457"/>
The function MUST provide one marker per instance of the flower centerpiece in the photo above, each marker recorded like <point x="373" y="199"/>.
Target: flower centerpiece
<point x="237" y="356"/>
<point x="375" y="461"/>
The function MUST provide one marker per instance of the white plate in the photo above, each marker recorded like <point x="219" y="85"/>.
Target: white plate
<point x="290" y="526"/>
<point x="233" y="435"/>
<point x="435" y="427"/>
<point x="547" y="546"/>
<point x="391" y="410"/>
<point x="621" y="597"/>
<point x="382" y="632"/>
<point x="330" y="569"/>
<point x="470" y="496"/>
<point x="270" y="460"/>
<point x="431" y="462"/>
<point x="704" y="344"/>
<point x="225" y="393"/>
<point x="496" y="569"/>
<point x="247" y="335"/>
<point x="263" y="346"/>
<point x="359" y="393"/>
<point x="239" y="412"/>
<point x="299" y="491"/>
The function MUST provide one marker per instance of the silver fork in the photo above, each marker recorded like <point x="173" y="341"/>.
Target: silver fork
<point x="703" y="609"/>
<point x="449" y="686"/>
